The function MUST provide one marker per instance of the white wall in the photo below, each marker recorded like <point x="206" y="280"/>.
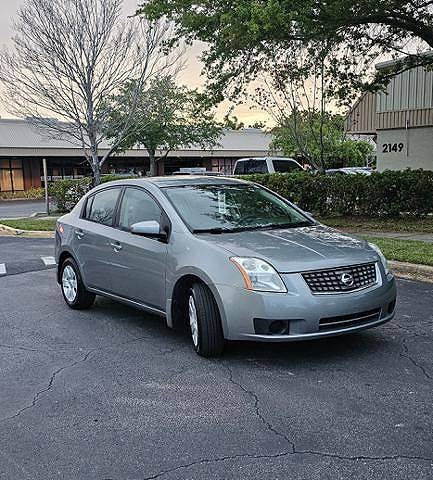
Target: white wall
<point x="414" y="149"/>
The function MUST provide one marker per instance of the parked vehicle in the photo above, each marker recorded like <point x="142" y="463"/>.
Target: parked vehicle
<point x="229" y="258"/>
<point x="349" y="171"/>
<point x="246" y="166"/>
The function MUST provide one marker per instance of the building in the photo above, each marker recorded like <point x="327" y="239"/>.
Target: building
<point x="400" y="118"/>
<point x="23" y="146"/>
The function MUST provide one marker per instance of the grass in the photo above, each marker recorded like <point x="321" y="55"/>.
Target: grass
<point x="403" y="224"/>
<point x="47" y="225"/>
<point x="410" y="251"/>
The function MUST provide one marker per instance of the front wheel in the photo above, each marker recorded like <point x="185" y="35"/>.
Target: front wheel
<point x="74" y="292"/>
<point x="205" y="322"/>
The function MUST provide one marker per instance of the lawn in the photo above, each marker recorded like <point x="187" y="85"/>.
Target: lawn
<point x="410" y="251"/>
<point x="47" y="225"/>
<point x="404" y="224"/>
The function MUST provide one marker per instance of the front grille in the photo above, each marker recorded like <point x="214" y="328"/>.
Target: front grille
<point x="341" y="279"/>
<point x="347" y="321"/>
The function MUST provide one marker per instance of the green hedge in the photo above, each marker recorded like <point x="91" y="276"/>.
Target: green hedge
<point x="66" y="193"/>
<point x="31" y="193"/>
<point x="386" y="194"/>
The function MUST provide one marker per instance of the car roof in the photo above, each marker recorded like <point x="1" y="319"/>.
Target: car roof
<point x="181" y="181"/>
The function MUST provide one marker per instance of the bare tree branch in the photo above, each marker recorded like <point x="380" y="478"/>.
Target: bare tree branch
<point x="70" y="57"/>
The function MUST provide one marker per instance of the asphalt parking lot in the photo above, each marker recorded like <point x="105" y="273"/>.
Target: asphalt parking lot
<point x="111" y="394"/>
<point x="20" y="208"/>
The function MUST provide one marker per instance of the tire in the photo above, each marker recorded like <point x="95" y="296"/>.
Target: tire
<point x="73" y="290"/>
<point x="206" y="330"/>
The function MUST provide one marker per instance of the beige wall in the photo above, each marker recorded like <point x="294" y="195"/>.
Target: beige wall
<point x="416" y="151"/>
<point x="362" y="117"/>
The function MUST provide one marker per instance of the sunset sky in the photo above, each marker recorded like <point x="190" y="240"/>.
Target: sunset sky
<point x="190" y="76"/>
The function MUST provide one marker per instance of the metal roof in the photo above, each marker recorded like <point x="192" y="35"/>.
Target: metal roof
<point x="23" y="134"/>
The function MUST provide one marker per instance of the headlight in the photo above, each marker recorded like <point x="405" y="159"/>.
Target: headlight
<point x="259" y="275"/>
<point x="381" y="256"/>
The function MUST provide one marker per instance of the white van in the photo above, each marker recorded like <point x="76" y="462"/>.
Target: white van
<point x="245" y="166"/>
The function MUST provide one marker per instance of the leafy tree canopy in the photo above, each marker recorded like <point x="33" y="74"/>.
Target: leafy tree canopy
<point x="247" y="37"/>
<point x="320" y="139"/>
<point x="167" y="117"/>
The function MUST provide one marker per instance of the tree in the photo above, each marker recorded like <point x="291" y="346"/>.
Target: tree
<point x="320" y="139"/>
<point x="231" y="121"/>
<point x="167" y="117"/>
<point x="248" y="37"/>
<point x="69" y="56"/>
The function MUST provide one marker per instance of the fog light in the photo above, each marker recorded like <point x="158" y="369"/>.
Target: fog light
<point x="279" y="327"/>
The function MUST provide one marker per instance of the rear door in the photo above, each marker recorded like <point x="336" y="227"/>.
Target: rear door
<point x="92" y="242"/>
<point x="140" y="262"/>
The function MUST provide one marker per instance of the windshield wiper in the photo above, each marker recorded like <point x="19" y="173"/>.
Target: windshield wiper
<point x="214" y="230"/>
<point x="270" y="226"/>
<point x="288" y="225"/>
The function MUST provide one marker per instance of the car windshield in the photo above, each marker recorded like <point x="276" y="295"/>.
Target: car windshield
<point x="222" y="208"/>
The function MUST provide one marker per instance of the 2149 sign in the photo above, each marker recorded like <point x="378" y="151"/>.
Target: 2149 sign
<point x="392" y="147"/>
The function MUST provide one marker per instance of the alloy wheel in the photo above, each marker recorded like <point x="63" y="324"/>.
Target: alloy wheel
<point x="69" y="283"/>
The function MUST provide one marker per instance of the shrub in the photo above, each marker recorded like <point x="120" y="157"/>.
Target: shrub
<point x="66" y="193"/>
<point x="31" y="193"/>
<point x="386" y="194"/>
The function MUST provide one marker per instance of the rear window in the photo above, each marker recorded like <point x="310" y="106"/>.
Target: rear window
<point x="284" y="166"/>
<point x="251" y="166"/>
<point x="101" y="206"/>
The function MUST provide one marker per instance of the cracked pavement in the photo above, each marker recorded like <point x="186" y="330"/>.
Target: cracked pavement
<point x="111" y="394"/>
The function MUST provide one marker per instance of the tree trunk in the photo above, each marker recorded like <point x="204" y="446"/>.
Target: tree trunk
<point x="152" y="163"/>
<point x="96" y="170"/>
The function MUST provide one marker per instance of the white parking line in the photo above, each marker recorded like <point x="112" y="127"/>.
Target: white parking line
<point x="48" y="261"/>
<point x="2" y="269"/>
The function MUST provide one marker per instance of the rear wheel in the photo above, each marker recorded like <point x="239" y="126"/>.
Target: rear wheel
<point x="74" y="292"/>
<point x="205" y="321"/>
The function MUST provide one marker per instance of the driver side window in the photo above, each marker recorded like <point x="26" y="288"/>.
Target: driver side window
<point x="137" y="206"/>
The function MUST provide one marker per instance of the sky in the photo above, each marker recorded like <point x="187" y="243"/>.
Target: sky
<point x="190" y="76"/>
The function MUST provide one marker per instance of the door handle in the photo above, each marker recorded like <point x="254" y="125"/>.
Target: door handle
<point x="79" y="233"/>
<point x="116" y="246"/>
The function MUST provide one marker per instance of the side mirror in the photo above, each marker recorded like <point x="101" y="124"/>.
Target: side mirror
<point x="149" y="229"/>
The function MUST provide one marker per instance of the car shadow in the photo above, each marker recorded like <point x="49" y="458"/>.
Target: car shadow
<point x="344" y="347"/>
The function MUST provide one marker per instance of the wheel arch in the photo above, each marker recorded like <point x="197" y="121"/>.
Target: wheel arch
<point x="62" y="257"/>
<point x="177" y="303"/>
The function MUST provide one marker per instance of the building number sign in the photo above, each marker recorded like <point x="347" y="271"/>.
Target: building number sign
<point x="392" y="147"/>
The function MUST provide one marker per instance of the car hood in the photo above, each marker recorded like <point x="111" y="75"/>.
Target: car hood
<point x="297" y="249"/>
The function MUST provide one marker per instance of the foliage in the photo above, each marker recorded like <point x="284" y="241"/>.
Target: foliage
<point x="386" y="194"/>
<point x="250" y="37"/>
<point x="411" y="251"/>
<point x="31" y="193"/>
<point x="68" y="57"/>
<point x="320" y="139"/>
<point x="66" y="193"/>
<point x="34" y="224"/>
<point x="231" y="121"/>
<point x="168" y="116"/>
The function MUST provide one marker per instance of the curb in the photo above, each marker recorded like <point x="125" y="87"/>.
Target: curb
<point x="412" y="271"/>
<point x="9" y="231"/>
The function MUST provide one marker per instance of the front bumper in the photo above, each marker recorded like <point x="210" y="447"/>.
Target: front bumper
<point x="307" y="315"/>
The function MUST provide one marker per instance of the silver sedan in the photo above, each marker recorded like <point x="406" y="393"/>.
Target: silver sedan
<point x="226" y="258"/>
